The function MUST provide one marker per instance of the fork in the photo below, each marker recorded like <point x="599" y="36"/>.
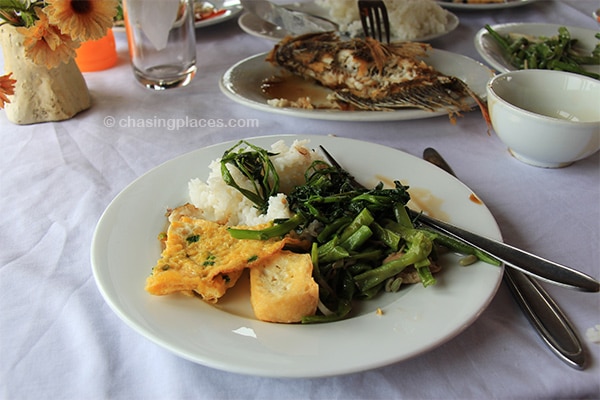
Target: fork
<point x="374" y="19"/>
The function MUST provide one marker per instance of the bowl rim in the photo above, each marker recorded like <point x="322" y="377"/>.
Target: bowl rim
<point x="499" y="98"/>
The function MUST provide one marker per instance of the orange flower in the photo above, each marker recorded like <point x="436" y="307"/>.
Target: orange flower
<point x="82" y="19"/>
<point x="7" y="88"/>
<point x="45" y="44"/>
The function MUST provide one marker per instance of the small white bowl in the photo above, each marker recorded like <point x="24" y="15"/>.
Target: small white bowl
<point x="546" y="118"/>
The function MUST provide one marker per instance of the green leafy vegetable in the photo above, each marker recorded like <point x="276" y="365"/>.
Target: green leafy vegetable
<point x="256" y="165"/>
<point x="193" y="238"/>
<point x="558" y="52"/>
<point x="362" y="239"/>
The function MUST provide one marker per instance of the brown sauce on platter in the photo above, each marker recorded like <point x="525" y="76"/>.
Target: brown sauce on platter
<point x="291" y="87"/>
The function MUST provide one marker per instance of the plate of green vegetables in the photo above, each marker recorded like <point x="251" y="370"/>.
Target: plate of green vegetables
<point x="514" y="46"/>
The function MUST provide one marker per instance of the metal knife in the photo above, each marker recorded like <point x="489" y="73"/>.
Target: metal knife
<point x="518" y="259"/>
<point x="294" y="22"/>
<point x="542" y="311"/>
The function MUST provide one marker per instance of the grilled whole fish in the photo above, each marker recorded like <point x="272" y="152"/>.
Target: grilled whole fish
<point x="369" y="75"/>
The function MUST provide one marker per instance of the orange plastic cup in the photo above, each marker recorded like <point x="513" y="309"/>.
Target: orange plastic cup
<point x="96" y="55"/>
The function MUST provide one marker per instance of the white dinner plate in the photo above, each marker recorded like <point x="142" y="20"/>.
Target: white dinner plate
<point x="255" y="26"/>
<point x="242" y="83"/>
<point x="484" y="6"/>
<point x="226" y="336"/>
<point x="231" y="11"/>
<point x="492" y="53"/>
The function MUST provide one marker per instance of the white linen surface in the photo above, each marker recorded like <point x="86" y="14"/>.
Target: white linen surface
<point x="60" y="340"/>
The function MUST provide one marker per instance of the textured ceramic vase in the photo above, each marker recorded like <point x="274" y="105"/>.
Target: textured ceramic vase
<point x="41" y="94"/>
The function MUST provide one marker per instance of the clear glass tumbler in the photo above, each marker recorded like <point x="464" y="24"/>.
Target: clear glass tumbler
<point x="162" y="41"/>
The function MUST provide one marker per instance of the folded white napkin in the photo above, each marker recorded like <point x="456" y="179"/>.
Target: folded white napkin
<point x="154" y="17"/>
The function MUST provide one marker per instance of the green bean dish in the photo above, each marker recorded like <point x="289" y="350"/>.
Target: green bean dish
<point x="559" y="52"/>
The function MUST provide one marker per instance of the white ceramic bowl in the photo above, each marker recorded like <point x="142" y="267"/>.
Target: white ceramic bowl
<point x="546" y="118"/>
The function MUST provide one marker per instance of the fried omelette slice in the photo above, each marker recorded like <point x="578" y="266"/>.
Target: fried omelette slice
<point x="201" y="256"/>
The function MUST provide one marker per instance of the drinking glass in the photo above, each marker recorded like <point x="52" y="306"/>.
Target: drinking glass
<point x="162" y="41"/>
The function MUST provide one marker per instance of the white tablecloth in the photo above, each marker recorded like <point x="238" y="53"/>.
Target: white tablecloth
<point x="59" y="339"/>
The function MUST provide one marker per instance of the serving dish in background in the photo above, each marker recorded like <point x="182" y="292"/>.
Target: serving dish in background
<point x="492" y="53"/>
<point x="242" y="83"/>
<point x="484" y="6"/>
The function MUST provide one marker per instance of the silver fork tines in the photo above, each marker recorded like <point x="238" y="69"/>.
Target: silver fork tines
<point x="374" y="19"/>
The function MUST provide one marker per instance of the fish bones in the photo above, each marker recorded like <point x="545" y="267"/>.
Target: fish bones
<point x="369" y="75"/>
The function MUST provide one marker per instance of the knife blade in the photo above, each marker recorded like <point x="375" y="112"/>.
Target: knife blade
<point x="294" y="22"/>
<point x="541" y="310"/>
<point x="518" y="259"/>
<point x="538" y="266"/>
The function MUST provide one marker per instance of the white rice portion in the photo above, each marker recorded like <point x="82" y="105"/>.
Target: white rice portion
<point x="222" y="203"/>
<point x="409" y="19"/>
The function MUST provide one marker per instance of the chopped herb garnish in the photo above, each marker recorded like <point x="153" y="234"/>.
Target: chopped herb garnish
<point x="210" y="260"/>
<point x="193" y="238"/>
<point x="252" y="259"/>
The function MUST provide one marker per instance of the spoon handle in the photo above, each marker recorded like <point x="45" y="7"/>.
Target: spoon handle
<point x="546" y="317"/>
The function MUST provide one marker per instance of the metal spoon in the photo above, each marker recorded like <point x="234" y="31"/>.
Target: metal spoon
<point x="542" y="311"/>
